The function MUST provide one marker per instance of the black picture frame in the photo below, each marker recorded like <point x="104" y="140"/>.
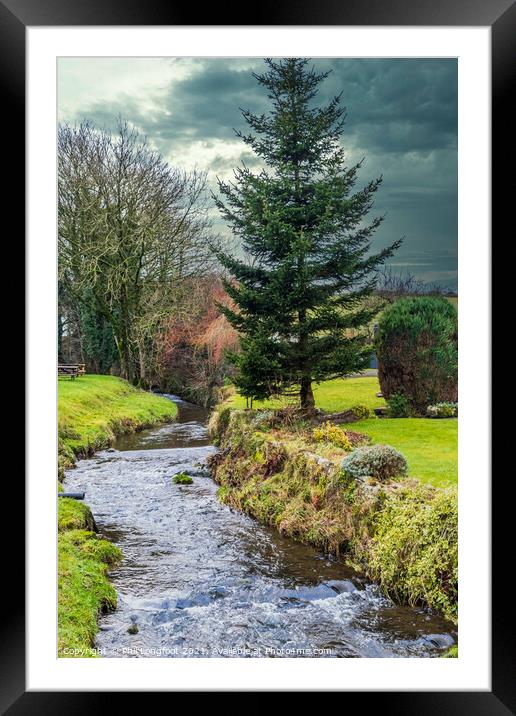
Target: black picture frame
<point x="500" y="16"/>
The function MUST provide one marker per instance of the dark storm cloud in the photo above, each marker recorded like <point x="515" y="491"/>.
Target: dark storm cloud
<point x="401" y="117"/>
<point x="398" y="105"/>
<point x="392" y="105"/>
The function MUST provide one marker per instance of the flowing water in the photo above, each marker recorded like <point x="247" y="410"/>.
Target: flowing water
<point x="199" y="579"/>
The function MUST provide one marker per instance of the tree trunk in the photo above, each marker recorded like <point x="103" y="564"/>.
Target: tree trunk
<point x="125" y="358"/>
<point x="124" y="338"/>
<point x="59" y="337"/>
<point x="307" y="395"/>
<point x="125" y="365"/>
<point x="143" y="368"/>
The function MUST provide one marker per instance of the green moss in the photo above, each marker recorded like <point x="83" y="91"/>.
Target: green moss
<point x="452" y="653"/>
<point x="223" y="416"/>
<point x="414" y="551"/>
<point x="182" y="479"/>
<point x="83" y="589"/>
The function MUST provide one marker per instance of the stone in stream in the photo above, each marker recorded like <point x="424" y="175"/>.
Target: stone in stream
<point x="440" y="640"/>
<point x="342" y="585"/>
<point x="217" y="592"/>
<point x="133" y="629"/>
<point x="164" y="616"/>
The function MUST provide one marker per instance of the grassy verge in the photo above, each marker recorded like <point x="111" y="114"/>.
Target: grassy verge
<point x="93" y="410"/>
<point x="402" y="534"/>
<point x="430" y="446"/>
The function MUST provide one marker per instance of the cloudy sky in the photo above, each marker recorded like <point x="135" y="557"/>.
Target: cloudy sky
<point x="402" y="118"/>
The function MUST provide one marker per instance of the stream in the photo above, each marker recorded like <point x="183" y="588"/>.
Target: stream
<point x="199" y="579"/>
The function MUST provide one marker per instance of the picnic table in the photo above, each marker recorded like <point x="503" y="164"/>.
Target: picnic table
<point x="72" y="370"/>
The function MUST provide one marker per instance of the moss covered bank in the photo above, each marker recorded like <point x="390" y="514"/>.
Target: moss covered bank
<point x="93" y="410"/>
<point x="399" y="533"/>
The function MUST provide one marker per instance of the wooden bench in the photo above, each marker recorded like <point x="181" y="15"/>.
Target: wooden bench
<point x="72" y="370"/>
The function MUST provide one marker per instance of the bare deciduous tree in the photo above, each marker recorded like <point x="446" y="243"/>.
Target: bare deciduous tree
<point x="131" y="228"/>
<point x="399" y="284"/>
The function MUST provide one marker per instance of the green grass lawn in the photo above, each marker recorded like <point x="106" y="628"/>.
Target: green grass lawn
<point x="332" y="395"/>
<point x="93" y="409"/>
<point x="430" y="446"/>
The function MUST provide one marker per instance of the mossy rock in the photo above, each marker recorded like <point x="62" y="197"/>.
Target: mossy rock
<point x="182" y="479"/>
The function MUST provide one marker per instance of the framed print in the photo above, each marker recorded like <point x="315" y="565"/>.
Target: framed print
<point x="246" y="246"/>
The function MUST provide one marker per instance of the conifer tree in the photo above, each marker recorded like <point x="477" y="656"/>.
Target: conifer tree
<point x="300" y="291"/>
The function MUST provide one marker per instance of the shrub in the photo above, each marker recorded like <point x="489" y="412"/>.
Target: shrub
<point x="182" y="479"/>
<point x="442" y="410"/>
<point x="357" y="439"/>
<point x="399" y="406"/>
<point x="333" y="434"/>
<point x="379" y="461"/>
<point x="416" y="345"/>
<point x="362" y="412"/>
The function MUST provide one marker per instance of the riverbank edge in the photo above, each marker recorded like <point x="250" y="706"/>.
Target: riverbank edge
<point x="402" y="535"/>
<point x="84" y="559"/>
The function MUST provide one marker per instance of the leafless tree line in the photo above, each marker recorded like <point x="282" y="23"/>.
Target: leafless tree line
<point x="132" y="230"/>
<point x="392" y="285"/>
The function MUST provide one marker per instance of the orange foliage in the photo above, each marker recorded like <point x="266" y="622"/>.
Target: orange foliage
<point x="194" y="345"/>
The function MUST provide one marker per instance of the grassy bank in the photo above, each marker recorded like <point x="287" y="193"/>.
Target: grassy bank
<point x="430" y="446"/>
<point x="93" y="410"/>
<point x="84" y="590"/>
<point x="402" y="534"/>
